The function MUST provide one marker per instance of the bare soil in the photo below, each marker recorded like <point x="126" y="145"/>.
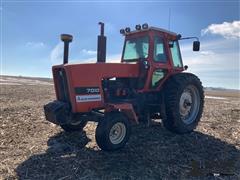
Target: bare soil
<point x="32" y="148"/>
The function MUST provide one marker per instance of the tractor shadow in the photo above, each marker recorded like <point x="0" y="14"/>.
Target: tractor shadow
<point x="152" y="153"/>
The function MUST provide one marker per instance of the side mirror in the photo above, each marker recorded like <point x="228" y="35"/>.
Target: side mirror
<point x="196" y="45"/>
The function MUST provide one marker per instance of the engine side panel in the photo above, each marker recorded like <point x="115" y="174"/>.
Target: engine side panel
<point x="85" y="82"/>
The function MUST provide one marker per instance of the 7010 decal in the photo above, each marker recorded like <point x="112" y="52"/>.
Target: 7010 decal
<point x="87" y="90"/>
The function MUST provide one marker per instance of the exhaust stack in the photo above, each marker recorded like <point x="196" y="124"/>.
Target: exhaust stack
<point x="101" y="46"/>
<point x="66" y="38"/>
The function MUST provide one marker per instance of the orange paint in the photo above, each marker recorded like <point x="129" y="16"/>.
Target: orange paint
<point x="91" y="75"/>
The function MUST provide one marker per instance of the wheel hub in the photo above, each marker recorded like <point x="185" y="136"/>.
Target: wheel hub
<point x="75" y="123"/>
<point x="189" y="104"/>
<point x="185" y="103"/>
<point x="117" y="133"/>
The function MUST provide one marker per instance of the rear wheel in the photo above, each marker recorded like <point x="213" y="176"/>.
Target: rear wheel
<point x="113" y="131"/>
<point x="184" y="99"/>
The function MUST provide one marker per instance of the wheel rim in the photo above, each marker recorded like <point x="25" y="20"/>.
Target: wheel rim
<point x="76" y="122"/>
<point x="189" y="104"/>
<point x="117" y="133"/>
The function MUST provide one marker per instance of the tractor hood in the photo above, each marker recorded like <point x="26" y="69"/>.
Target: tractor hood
<point x="92" y="72"/>
<point x="80" y="77"/>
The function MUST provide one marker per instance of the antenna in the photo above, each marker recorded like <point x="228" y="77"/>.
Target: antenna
<point x="169" y="18"/>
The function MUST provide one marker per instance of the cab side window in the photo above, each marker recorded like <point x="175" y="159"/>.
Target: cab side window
<point x="176" y="57"/>
<point x="157" y="76"/>
<point x="159" y="50"/>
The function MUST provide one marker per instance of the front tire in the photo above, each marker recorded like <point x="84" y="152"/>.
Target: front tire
<point x="113" y="131"/>
<point x="184" y="100"/>
<point x="77" y="125"/>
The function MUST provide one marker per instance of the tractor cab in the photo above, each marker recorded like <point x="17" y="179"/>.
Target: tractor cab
<point x="156" y="51"/>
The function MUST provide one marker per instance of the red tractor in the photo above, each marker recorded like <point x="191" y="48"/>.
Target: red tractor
<point x="148" y="83"/>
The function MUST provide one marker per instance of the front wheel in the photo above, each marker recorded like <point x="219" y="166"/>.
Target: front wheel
<point x="77" y="125"/>
<point x="184" y="100"/>
<point x="113" y="131"/>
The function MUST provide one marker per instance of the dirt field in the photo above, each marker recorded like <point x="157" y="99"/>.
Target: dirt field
<point x="32" y="148"/>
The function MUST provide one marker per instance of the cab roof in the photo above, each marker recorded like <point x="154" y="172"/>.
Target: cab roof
<point x="153" y="29"/>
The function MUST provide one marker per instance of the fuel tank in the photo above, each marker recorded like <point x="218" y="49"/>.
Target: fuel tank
<point x="80" y="85"/>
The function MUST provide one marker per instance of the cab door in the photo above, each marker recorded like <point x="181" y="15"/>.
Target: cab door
<point x="160" y="61"/>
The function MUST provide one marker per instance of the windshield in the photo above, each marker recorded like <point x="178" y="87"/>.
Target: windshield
<point x="136" y="48"/>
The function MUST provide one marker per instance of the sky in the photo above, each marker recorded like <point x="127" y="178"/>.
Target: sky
<point x="30" y="34"/>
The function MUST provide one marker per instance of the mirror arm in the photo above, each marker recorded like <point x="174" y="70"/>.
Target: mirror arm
<point x="189" y="38"/>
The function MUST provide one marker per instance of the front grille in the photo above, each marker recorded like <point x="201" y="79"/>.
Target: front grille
<point x="62" y="85"/>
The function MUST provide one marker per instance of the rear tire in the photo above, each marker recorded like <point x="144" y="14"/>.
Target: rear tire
<point x="184" y="100"/>
<point x="113" y="131"/>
